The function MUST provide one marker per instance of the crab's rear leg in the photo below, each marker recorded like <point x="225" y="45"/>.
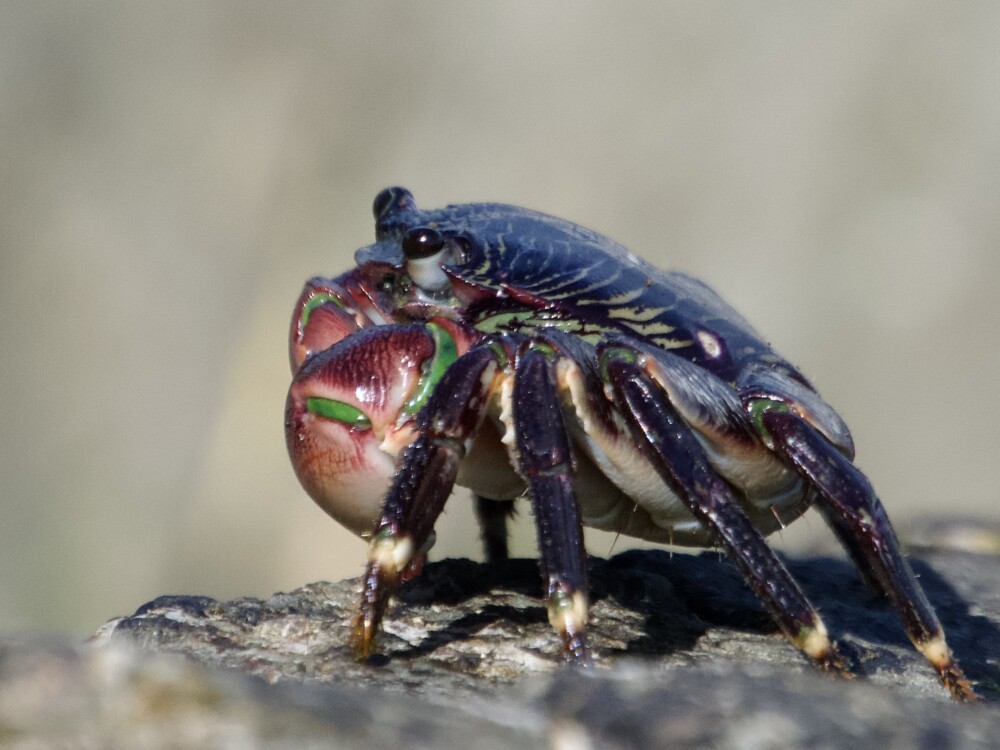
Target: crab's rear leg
<point x="849" y="504"/>
<point x="668" y="442"/>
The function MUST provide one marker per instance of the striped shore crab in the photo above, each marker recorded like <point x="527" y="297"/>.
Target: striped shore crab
<point x="517" y="354"/>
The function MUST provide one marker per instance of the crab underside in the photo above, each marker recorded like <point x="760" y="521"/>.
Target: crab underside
<point x="519" y="355"/>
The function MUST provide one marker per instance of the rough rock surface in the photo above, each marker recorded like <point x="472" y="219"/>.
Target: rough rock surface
<point x="686" y="658"/>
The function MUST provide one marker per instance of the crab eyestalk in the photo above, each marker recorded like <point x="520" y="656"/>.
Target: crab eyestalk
<point x="350" y="411"/>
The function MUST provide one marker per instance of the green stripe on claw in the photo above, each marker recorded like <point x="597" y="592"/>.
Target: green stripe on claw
<point x="338" y="411"/>
<point x="445" y="352"/>
<point x="315" y="301"/>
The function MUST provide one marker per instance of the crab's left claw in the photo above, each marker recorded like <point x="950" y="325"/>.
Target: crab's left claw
<point x="321" y="317"/>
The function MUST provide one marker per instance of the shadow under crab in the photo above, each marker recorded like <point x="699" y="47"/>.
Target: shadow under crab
<point x="470" y="628"/>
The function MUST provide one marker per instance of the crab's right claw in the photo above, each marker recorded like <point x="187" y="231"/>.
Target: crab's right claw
<point x="348" y="413"/>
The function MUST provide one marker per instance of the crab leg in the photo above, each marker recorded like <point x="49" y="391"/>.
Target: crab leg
<point x="427" y="472"/>
<point x="422" y="484"/>
<point x="545" y="460"/>
<point x="851" y="507"/>
<point x="492" y="516"/>
<point x="669" y="444"/>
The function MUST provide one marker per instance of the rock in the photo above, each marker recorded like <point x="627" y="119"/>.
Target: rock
<point x="686" y="657"/>
<point x="118" y="696"/>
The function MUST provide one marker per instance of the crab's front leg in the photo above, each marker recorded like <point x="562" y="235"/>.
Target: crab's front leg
<point x="525" y="383"/>
<point x="423" y="481"/>
<point x="545" y="461"/>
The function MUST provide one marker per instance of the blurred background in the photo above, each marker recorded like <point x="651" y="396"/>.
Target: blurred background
<point x="171" y="173"/>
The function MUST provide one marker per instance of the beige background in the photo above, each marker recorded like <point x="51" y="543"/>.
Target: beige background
<point x="170" y="173"/>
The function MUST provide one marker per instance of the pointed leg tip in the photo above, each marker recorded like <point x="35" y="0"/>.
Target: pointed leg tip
<point x="582" y="658"/>
<point x="358" y="649"/>
<point x="836" y="664"/>
<point x="364" y="630"/>
<point x="939" y="655"/>
<point x="833" y="662"/>
<point x="814" y="641"/>
<point x="955" y="681"/>
<point x="576" y="649"/>
<point x="959" y="686"/>
<point x="381" y="578"/>
<point x="567" y="610"/>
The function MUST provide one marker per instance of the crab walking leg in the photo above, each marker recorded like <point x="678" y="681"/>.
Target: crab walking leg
<point x="850" y="505"/>
<point x="680" y="460"/>
<point x="425" y="478"/>
<point x="545" y="460"/>
<point x="492" y="516"/>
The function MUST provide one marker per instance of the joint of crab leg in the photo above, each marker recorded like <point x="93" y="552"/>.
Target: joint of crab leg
<point x="609" y="355"/>
<point x="814" y="642"/>
<point x="936" y="651"/>
<point x="392" y="559"/>
<point x="391" y="553"/>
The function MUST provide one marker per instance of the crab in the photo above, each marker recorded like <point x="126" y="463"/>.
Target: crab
<point x="520" y="355"/>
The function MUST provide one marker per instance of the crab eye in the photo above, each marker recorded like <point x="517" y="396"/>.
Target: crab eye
<point x="424" y="249"/>
<point x="422" y="242"/>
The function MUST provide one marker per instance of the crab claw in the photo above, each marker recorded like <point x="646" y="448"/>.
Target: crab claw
<point x="329" y="310"/>
<point x="322" y="316"/>
<point x="350" y="410"/>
